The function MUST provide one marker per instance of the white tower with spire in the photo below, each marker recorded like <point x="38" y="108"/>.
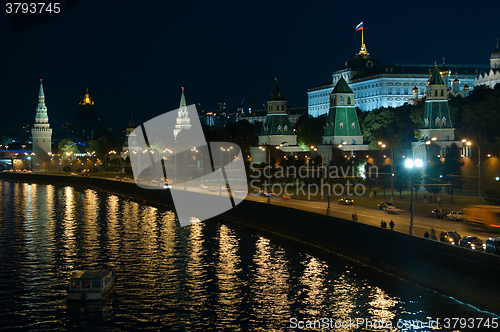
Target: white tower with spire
<point x="41" y="134"/>
<point x="183" y="121"/>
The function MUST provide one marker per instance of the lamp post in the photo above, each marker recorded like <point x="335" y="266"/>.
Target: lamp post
<point x="468" y="143"/>
<point x="67" y="160"/>
<point x="392" y="170"/>
<point x="105" y="164"/>
<point x="269" y="163"/>
<point x="410" y="164"/>
<point x="328" y="210"/>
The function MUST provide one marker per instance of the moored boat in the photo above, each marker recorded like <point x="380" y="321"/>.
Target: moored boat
<point x="90" y="285"/>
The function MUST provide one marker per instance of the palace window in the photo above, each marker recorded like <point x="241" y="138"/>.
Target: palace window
<point x="389" y="91"/>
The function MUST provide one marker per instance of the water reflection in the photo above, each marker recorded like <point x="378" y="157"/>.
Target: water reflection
<point x="207" y="276"/>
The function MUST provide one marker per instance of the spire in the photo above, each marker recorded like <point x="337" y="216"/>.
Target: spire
<point x="41" y="116"/>
<point x="436" y="78"/>
<point x="40" y="93"/>
<point x="131" y="124"/>
<point x="342" y="87"/>
<point x="276" y="94"/>
<point x="183" y="99"/>
<point x="86" y="98"/>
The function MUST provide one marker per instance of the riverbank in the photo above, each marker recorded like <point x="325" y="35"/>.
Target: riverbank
<point x="464" y="274"/>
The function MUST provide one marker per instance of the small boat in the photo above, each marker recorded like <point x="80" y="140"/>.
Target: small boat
<point x="90" y="285"/>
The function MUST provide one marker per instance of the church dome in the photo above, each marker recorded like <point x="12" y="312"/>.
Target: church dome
<point x="444" y="70"/>
<point x="495" y="54"/>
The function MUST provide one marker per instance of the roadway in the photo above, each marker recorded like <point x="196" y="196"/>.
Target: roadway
<point x="373" y="216"/>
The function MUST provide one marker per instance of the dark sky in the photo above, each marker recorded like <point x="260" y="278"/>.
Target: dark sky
<point x="134" y="56"/>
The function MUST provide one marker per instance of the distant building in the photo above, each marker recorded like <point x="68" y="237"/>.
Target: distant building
<point x="375" y="85"/>
<point x="68" y="130"/>
<point x="294" y="115"/>
<point x="86" y="118"/>
<point x="25" y="130"/>
<point x="41" y="133"/>
<point x="130" y="128"/>
<point x="491" y="77"/>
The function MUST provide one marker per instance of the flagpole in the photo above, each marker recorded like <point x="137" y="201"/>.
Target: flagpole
<point x="362" y="40"/>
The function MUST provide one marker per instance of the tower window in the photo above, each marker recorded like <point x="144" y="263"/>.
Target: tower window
<point x="443" y="121"/>
<point x="341" y="100"/>
<point x="353" y="125"/>
<point x="279" y="127"/>
<point x="442" y="92"/>
<point x="437" y="121"/>
<point x="285" y="128"/>
<point x="341" y="125"/>
<point x="348" y="100"/>
<point x="435" y="92"/>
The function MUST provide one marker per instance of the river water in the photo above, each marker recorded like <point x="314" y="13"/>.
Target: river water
<point x="207" y="277"/>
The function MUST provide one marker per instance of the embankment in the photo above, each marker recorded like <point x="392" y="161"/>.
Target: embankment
<point x="464" y="274"/>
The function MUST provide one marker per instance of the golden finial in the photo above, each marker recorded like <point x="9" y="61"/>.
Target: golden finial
<point x="276" y="79"/>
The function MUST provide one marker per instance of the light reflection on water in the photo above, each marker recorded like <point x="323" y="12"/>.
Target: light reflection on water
<point x="208" y="276"/>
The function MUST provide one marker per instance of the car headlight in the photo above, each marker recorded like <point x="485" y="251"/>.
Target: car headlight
<point x="473" y="246"/>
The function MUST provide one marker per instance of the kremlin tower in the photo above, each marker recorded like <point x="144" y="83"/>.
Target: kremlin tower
<point x="182" y="121"/>
<point x="41" y="134"/>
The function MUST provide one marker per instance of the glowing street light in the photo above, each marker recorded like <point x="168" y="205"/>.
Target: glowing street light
<point x="410" y="164"/>
<point x="468" y="143"/>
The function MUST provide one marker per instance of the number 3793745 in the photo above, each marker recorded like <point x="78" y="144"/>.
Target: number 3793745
<point x="32" y="7"/>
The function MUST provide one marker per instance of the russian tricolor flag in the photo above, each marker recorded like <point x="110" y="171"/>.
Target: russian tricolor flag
<point x="359" y="26"/>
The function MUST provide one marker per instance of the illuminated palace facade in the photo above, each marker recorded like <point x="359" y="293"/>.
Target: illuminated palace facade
<point x="375" y="85"/>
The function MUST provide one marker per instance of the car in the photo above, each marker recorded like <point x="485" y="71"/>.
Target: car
<point x="472" y="242"/>
<point x="436" y="213"/>
<point x="449" y="237"/>
<point x="346" y="201"/>
<point x="393" y="210"/>
<point x="493" y="246"/>
<point x="384" y="205"/>
<point x="456" y="215"/>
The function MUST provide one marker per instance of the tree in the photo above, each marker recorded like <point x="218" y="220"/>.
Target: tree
<point x="310" y="131"/>
<point x="433" y="174"/>
<point x="401" y="177"/>
<point x="67" y="146"/>
<point x="451" y="170"/>
<point x="100" y="146"/>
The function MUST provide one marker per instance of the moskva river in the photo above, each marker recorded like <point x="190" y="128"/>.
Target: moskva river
<point x="209" y="276"/>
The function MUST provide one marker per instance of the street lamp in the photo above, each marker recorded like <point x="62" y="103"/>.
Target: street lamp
<point x="269" y="157"/>
<point x="410" y="164"/>
<point x="468" y="143"/>
<point x="105" y="164"/>
<point x="392" y="171"/>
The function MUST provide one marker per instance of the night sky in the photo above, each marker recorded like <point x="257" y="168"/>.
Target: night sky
<point x="134" y="56"/>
